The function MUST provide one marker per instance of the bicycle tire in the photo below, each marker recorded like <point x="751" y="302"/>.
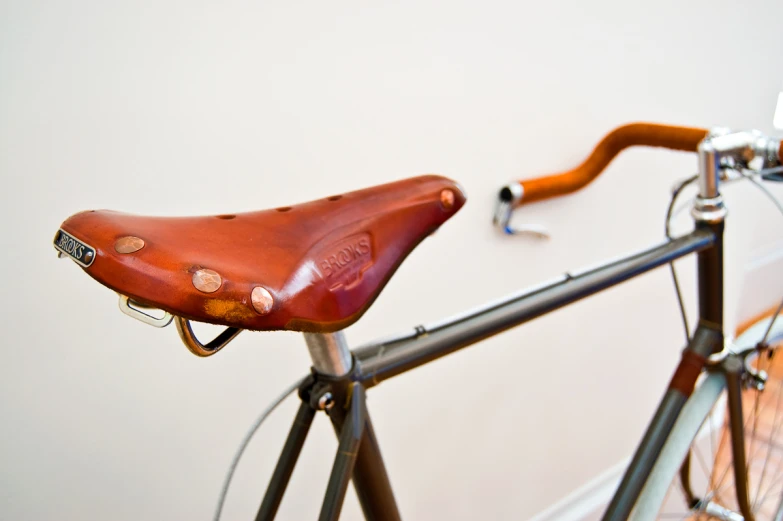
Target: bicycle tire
<point x="700" y="408"/>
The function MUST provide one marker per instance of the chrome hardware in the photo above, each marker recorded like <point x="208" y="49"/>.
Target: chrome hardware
<point x="325" y="401"/>
<point x="125" y="307"/>
<point x="754" y="379"/>
<point x="736" y="150"/>
<point x="709" y="169"/>
<point x="718" y="131"/>
<point x="720" y="153"/>
<point x="715" y="510"/>
<point x="509" y="196"/>
<point x="329" y="353"/>
<point x="196" y="347"/>
<point x="709" y="210"/>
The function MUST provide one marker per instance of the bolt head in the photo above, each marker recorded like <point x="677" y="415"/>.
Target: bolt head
<point x="129" y="244"/>
<point x="262" y="300"/>
<point x="447" y="199"/>
<point x="326" y="401"/>
<point x="207" y="281"/>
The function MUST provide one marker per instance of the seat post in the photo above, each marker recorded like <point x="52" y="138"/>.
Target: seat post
<point x="329" y="353"/>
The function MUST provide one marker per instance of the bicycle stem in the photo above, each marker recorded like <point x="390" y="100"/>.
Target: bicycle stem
<point x="721" y="150"/>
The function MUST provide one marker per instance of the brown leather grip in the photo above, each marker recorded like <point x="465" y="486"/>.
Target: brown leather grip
<point x="780" y="152"/>
<point x="633" y="134"/>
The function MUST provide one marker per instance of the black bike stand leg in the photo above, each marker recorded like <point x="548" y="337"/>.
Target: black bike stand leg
<point x="347" y="450"/>
<point x="285" y="464"/>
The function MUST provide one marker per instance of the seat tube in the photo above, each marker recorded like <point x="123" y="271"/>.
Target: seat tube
<point x="333" y="359"/>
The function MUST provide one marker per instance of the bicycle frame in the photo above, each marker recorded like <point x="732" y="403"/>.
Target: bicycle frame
<point x="340" y="377"/>
<point x="383" y="360"/>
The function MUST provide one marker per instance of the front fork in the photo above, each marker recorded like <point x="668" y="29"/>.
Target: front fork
<point x="738" y="376"/>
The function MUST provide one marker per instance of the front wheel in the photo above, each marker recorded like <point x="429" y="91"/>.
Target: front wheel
<point x="702" y="436"/>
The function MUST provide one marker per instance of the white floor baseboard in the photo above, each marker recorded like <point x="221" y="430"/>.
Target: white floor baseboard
<point x="586" y="503"/>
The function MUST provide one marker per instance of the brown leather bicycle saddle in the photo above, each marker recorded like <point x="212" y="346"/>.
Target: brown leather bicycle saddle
<point x="313" y="267"/>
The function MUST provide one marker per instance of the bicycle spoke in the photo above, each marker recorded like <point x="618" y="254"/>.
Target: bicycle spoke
<point x="779" y="480"/>
<point x="702" y="463"/>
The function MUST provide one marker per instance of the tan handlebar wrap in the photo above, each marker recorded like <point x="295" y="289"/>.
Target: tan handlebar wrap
<point x="633" y="134"/>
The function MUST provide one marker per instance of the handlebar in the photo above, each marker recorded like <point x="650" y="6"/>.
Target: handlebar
<point x="634" y="134"/>
<point x="718" y="149"/>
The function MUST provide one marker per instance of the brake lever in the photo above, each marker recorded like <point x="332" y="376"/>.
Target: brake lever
<point x="508" y="196"/>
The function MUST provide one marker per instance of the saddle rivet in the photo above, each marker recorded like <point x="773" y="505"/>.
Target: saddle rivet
<point x="262" y="300"/>
<point x="207" y="281"/>
<point x="129" y="244"/>
<point x="87" y="257"/>
<point x="447" y="199"/>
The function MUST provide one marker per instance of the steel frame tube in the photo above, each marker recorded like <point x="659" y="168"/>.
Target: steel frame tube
<point x="347" y="451"/>
<point x="710" y="273"/>
<point x="286" y="462"/>
<point x="704" y="342"/>
<point x="733" y="368"/>
<point x="707" y="340"/>
<point x="378" y="362"/>
<point x="370" y="479"/>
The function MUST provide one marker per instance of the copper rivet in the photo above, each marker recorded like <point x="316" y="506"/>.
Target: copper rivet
<point x="129" y="244"/>
<point x="262" y="300"/>
<point x="87" y="257"/>
<point x="447" y="199"/>
<point x="207" y="281"/>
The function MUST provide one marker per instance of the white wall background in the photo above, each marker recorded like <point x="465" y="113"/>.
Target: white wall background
<point x="166" y="107"/>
